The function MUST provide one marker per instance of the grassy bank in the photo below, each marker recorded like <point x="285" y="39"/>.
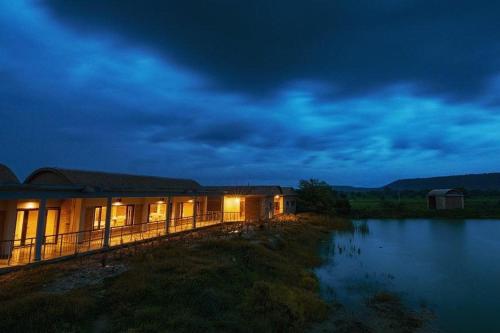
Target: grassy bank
<point x="259" y="280"/>
<point x="415" y="206"/>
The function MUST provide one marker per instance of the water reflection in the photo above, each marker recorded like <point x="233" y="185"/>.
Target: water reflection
<point x="451" y="266"/>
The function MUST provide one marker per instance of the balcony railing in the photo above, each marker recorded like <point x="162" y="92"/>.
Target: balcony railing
<point x="234" y="216"/>
<point x="19" y="252"/>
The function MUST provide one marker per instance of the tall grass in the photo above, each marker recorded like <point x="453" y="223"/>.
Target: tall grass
<point x="258" y="281"/>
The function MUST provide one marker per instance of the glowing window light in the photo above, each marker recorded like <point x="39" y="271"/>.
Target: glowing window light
<point x="118" y="202"/>
<point x="28" y="205"/>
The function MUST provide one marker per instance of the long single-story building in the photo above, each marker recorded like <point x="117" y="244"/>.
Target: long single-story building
<point x="59" y="212"/>
<point x="445" y="199"/>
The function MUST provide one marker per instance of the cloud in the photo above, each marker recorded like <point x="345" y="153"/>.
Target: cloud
<point x="449" y="49"/>
<point x="118" y="94"/>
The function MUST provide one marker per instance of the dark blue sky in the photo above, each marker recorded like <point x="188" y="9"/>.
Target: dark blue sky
<point x="231" y="92"/>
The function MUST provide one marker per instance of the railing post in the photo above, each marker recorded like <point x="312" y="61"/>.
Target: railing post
<point x="40" y="229"/>
<point x="194" y="211"/>
<point x="107" y="224"/>
<point x="169" y="215"/>
<point x="61" y="247"/>
<point x="222" y="210"/>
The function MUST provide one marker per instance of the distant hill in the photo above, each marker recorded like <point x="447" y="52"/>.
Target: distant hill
<point x="342" y="188"/>
<point x="484" y="181"/>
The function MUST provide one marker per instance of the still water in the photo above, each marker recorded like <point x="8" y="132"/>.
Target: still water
<point x="449" y="266"/>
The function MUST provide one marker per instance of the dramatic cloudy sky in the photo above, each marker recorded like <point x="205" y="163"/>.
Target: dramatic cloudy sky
<point x="353" y="92"/>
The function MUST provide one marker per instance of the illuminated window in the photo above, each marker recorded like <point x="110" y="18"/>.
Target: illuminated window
<point x="122" y="215"/>
<point x="234" y="208"/>
<point x="157" y="212"/>
<point x="99" y="218"/>
<point x="26" y="222"/>
<point x="184" y="209"/>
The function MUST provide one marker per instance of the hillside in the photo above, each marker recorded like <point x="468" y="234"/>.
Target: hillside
<point x="485" y="181"/>
<point x="343" y="188"/>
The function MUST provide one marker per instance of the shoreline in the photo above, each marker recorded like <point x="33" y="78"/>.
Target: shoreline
<point x="258" y="279"/>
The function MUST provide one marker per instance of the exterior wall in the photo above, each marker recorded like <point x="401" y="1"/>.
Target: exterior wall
<point x="290" y="205"/>
<point x="8" y="216"/>
<point x="454" y="202"/>
<point x="214" y="204"/>
<point x="252" y="209"/>
<point x="440" y="203"/>
<point x="447" y="202"/>
<point x="267" y="207"/>
<point x="10" y="219"/>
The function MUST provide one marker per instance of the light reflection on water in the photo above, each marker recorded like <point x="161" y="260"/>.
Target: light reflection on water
<point x="449" y="266"/>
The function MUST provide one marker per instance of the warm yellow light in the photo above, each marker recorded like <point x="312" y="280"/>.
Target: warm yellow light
<point x="276" y="197"/>
<point x="232" y="204"/>
<point x="118" y="202"/>
<point x="160" y="202"/>
<point x="190" y="200"/>
<point x="30" y="205"/>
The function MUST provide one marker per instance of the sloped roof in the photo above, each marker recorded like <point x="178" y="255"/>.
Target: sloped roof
<point x="288" y="191"/>
<point x="7" y="177"/>
<point x="269" y="190"/>
<point x="444" y="192"/>
<point x="108" y="181"/>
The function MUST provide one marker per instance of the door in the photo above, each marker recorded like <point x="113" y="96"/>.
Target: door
<point x="27" y="220"/>
<point x="52" y="225"/>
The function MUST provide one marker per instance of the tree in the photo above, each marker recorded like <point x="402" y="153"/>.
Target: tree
<point x="316" y="196"/>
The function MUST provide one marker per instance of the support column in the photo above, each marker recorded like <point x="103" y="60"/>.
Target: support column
<point x="222" y="209"/>
<point x="194" y="211"/>
<point x="107" y="224"/>
<point x="40" y="229"/>
<point x="168" y="217"/>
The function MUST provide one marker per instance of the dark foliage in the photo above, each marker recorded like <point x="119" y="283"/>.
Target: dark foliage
<point x="318" y="196"/>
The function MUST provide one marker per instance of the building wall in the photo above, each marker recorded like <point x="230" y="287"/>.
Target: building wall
<point x="454" y="203"/>
<point x="3" y="219"/>
<point x="290" y="205"/>
<point x="252" y="209"/>
<point x="214" y="203"/>
<point x="451" y="202"/>
<point x="267" y="207"/>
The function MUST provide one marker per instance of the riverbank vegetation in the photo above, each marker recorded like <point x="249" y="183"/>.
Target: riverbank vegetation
<point x="320" y="197"/>
<point x="255" y="279"/>
<point x="413" y="204"/>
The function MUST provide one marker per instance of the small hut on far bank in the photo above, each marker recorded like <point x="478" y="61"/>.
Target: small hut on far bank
<point x="445" y="199"/>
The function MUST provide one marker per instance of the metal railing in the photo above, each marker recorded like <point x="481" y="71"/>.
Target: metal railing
<point x="19" y="252"/>
<point x="234" y="216"/>
<point x="16" y="251"/>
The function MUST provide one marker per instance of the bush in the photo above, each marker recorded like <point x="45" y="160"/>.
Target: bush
<point x="318" y="196"/>
<point x="342" y="206"/>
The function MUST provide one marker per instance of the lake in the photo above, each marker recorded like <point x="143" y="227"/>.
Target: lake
<point x="449" y="266"/>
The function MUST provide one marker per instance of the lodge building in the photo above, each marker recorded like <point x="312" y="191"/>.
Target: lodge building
<point x="59" y="212"/>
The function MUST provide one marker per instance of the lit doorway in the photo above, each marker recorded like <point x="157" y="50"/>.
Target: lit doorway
<point x="26" y="224"/>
